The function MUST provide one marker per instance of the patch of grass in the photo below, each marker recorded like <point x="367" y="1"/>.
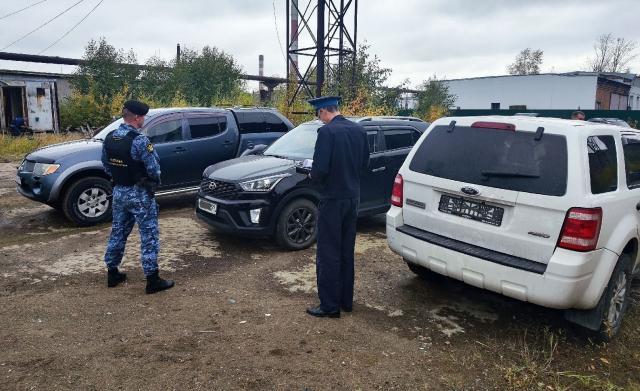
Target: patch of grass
<point x="14" y="148"/>
<point x="589" y="382"/>
<point x="534" y="362"/>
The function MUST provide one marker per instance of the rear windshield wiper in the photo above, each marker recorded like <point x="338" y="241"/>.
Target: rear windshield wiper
<point x="508" y="174"/>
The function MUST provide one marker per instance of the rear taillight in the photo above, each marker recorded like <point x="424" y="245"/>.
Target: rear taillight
<point x="396" y="193"/>
<point x="494" y="125"/>
<point x="581" y="229"/>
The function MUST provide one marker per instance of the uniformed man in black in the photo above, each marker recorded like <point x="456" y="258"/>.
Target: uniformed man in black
<point x="341" y="154"/>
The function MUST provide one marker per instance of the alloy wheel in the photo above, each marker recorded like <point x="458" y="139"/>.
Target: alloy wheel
<point x="301" y="225"/>
<point x="93" y="202"/>
<point x="616" y="305"/>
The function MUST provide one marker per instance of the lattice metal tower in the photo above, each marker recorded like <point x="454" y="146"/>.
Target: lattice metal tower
<point x="321" y="41"/>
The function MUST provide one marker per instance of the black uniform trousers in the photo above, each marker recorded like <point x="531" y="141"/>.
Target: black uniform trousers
<point x="334" y="257"/>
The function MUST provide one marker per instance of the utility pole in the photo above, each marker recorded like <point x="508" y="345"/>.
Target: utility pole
<point x="320" y="49"/>
<point x="321" y="40"/>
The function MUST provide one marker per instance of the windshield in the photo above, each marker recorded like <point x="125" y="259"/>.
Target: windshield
<point x="297" y="144"/>
<point x="104" y="132"/>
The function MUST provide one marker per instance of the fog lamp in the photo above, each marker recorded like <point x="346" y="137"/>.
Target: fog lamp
<point x="255" y="215"/>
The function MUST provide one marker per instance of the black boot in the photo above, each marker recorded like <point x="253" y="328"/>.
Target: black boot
<point x="114" y="277"/>
<point x="157" y="284"/>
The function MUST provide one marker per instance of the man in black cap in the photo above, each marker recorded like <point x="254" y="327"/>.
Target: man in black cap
<point x="341" y="154"/>
<point x="129" y="158"/>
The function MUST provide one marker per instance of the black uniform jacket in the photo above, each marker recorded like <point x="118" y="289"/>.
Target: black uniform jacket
<point x="341" y="154"/>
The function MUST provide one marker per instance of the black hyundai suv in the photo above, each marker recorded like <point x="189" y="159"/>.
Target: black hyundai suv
<point x="264" y="195"/>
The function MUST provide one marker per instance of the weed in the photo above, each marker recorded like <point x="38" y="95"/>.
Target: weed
<point x="533" y="364"/>
<point x="14" y="148"/>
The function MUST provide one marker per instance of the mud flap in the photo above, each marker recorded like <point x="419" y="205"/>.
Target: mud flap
<point x="590" y="319"/>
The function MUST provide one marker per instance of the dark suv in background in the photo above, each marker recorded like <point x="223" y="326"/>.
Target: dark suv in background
<point x="70" y="176"/>
<point x="264" y="195"/>
<point x="610" y="121"/>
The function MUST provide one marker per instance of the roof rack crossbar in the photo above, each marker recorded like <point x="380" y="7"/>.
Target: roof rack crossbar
<point x="395" y="117"/>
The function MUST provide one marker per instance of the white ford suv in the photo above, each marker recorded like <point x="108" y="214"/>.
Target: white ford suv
<point x="539" y="209"/>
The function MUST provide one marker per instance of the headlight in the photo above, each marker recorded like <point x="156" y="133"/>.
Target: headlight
<point x="263" y="184"/>
<point x="45" y="169"/>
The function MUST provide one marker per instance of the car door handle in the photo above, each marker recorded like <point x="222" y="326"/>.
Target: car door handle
<point x="179" y="149"/>
<point x="379" y="169"/>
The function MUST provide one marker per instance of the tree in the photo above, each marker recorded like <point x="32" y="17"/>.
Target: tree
<point x="362" y="79"/>
<point x="612" y="54"/>
<point x="207" y="77"/>
<point x="361" y="86"/>
<point x="106" y="71"/>
<point x="434" y="99"/>
<point x="157" y="80"/>
<point x="109" y="76"/>
<point x="527" y="62"/>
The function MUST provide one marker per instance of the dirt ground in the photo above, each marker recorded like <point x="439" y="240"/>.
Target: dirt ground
<point x="236" y="319"/>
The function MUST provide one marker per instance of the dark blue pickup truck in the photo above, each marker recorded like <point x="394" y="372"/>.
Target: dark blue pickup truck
<point x="70" y="176"/>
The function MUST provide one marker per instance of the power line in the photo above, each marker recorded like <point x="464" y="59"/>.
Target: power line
<point x="41" y="26"/>
<point x="72" y="28"/>
<point x="20" y="10"/>
<point x="275" y="20"/>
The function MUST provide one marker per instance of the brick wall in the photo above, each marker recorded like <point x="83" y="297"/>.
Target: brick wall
<point x="605" y="89"/>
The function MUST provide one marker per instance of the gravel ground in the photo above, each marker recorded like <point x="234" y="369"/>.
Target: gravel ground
<point x="236" y="319"/>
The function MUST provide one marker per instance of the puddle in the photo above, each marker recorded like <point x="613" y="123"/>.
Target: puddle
<point x="450" y="324"/>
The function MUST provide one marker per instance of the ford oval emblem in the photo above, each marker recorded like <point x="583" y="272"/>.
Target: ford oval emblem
<point x="470" y="191"/>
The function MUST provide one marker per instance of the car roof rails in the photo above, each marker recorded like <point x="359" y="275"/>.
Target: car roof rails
<point x="249" y="107"/>
<point x="394" y="117"/>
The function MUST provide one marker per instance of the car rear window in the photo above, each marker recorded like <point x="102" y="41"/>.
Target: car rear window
<point x="251" y="122"/>
<point x="496" y="158"/>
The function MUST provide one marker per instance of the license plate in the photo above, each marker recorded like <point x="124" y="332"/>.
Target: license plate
<point x="207" y="206"/>
<point x="471" y="209"/>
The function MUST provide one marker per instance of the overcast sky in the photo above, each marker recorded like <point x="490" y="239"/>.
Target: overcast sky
<point x="415" y="38"/>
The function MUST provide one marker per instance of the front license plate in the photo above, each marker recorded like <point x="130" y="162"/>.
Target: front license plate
<point x="207" y="206"/>
<point x="471" y="209"/>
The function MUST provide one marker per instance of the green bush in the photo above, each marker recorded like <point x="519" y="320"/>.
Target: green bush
<point x="82" y="109"/>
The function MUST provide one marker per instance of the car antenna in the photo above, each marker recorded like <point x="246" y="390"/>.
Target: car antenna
<point x="539" y="133"/>
<point x="452" y="126"/>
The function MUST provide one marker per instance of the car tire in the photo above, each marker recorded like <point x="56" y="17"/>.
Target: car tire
<point x="87" y="201"/>
<point x="616" y="298"/>
<point x="296" y="227"/>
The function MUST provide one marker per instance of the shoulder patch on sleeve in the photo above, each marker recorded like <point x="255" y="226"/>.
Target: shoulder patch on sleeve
<point x="150" y="147"/>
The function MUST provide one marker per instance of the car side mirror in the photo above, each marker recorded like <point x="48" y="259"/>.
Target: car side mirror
<point x="255" y="150"/>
